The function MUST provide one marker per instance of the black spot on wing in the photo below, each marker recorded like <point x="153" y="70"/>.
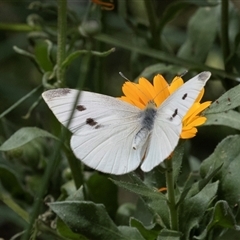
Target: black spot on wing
<point x="174" y="114"/>
<point x="81" y="108"/>
<point x="98" y="126"/>
<point x="91" y="122"/>
<point x="184" y="96"/>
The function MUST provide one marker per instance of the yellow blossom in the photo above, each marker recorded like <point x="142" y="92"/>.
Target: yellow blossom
<point x="139" y="95"/>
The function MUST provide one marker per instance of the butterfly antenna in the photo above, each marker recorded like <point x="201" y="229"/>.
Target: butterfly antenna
<point x="183" y="73"/>
<point x="123" y="76"/>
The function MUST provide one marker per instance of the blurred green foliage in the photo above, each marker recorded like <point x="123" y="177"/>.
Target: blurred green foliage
<point x="138" y="38"/>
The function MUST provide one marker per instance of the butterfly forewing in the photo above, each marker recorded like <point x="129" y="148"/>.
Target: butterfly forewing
<point x="103" y="129"/>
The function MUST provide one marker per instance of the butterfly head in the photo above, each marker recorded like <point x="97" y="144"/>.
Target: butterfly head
<point x="151" y="104"/>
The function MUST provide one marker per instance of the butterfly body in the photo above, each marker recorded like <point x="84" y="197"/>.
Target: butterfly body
<point x="113" y="136"/>
<point x="147" y="117"/>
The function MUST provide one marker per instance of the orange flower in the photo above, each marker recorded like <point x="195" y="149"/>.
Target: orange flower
<point x="105" y="5"/>
<point x="139" y="95"/>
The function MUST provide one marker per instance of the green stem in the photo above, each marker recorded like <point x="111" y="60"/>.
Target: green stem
<point x="62" y="16"/>
<point x="225" y="42"/>
<point x="165" y="57"/>
<point x="224" y="28"/>
<point x="152" y="23"/>
<point x="18" y="27"/>
<point x="171" y="195"/>
<point x="46" y="229"/>
<point x="19" y="102"/>
<point x="61" y="38"/>
<point x="75" y="166"/>
<point x="42" y="188"/>
<point x="15" y="207"/>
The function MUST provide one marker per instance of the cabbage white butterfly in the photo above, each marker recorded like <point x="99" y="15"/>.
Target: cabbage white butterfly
<point x="113" y="136"/>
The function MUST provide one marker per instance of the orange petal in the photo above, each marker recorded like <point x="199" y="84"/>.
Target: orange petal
<point x="176" y="83"/>
<point x="161" y="89"/>
<point x="197" y="122"/>
<point x="189" y="133"/>
<point x="147" y="88"/>
<point x="132" y="91"/>
<point x="191" y="111"/>
<point x="202" y="107"/>
<point x="200" y="95"/>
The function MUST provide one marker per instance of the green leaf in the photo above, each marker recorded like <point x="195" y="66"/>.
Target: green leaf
<point x="152" y="70"/>
<point x="142" y="190"/>
<point x="229" y="100"/>
<point x="155" y="200"/>
<point x="228" y="154"/>
<point x="156" y="177"/>
<point x="23" y="136"/>
<point x="190" y="189"/>
<point x="130" y="233"/>
<point x="224" y="153"/>
<point x="167" y="234"/>
<point x="124" y="212"/>
<point x="99" y="190"/>
<point x="88" y="219"/>
<point x="28" y="55"/>
<point x="77" y="195"/>
<point x="144" y="213"/>
<point x="229" y="119"/>
<point x="66" y="232"/>
<point x="174" y="8"/>
<point x="200" y="38"/>
<point x="193" y="209"/>
<point x="147" y="232"/>
<point x="69" y="189"/>
<point x="223" y="216"/>
<point x="13" y="185"/>
<point x="78" y="53"/>
<point x="42" y="55"/>
<point x="161" y="211"/>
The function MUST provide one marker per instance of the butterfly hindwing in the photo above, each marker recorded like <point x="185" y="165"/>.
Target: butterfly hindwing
<point x="103" y="129"/>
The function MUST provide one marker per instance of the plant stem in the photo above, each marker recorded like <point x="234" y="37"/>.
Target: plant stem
<point x="225" y="42"/>
<point x="62" y="15"/>
<point x="15" y="207"/>
<point x="18" y="27"/>
<point x="61" y="38"/>
<point x="164" y="57"/>
<point x="75" y="167"/>
<point x="171" y="195"/>
<point x="152" y="23"/>
<point x="224" y="29"/>
<point x="19" y="101"/>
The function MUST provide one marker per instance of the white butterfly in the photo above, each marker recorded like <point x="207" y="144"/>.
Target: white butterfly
<point x="113" y="136"/>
